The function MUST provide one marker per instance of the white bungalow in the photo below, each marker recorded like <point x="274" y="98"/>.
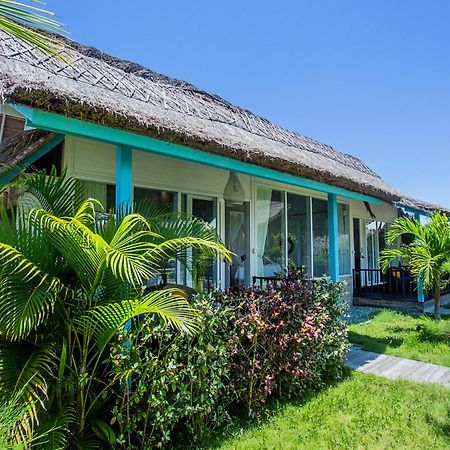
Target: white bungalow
<point x="276" y="197"/>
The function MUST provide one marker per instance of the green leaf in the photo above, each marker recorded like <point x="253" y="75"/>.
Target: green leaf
<point x="103" y="321"/>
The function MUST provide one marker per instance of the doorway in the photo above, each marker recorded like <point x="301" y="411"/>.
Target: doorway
<point x="357" y="252"/>
<point x="236" y="240"/>
<point x="204" y="274"/>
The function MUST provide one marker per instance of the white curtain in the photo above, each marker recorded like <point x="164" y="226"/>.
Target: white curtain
<point x="263" y="201"/>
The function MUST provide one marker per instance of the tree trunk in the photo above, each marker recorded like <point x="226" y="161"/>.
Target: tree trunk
<point x="437" y="302"/>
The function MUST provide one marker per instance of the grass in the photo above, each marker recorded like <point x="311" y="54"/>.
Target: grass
<point x="361" y="412"/>
<point x="406" y="336"/>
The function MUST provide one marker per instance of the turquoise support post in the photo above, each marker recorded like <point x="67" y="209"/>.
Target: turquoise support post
<point x="420" y="294"/>
<point x="124" y="193"/>
<point x="333" y="237"/>
<point x="124" y="179"/>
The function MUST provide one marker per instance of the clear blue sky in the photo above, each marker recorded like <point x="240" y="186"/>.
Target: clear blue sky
<point x="371" y="78"/>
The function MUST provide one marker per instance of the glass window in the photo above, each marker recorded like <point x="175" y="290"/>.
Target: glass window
<point x="344" y="239"/>
<point x="163" y="198"/>
<point x="270" y="243"/>
<point x="236" y="239"/>
<point x="204" y="272"/>
<point x="299" y="232"/>
<point x="160" y="197"/>
<point x="372" y="244"/>
<point x="320" y="237"/>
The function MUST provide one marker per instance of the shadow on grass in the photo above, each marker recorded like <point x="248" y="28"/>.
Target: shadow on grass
<point x="429" y="333"/>
<point x="441" y="427"/>
<point x="241" y="423"/>
<point x="372" y="344"/>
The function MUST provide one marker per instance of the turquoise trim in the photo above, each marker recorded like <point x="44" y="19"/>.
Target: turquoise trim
<point x="14" y="171"/>
<point x="416" y="212"/>
<point x="333" y="237"/>
<point x="55" y="122"/>
<point x="420" y="293"/>
<point x="124" y="179"/>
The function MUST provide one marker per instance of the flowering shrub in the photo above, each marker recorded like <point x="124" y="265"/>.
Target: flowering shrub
<point x="171" y="387"/>
<point x="252" y="344"/>
<point x="284" y="338"/>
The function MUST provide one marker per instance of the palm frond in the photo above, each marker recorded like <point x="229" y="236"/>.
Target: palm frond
<point x="53" y="431"/>
<point x="404" y="225"/>
<point x="30" y="24"/>
<point x="27" y="294"/>
<point x="25" y="368"/>
<point x="83" y="250"/>
<point x="103" y="321"/>
<point x="126" y="252"/>
<point x="60" y="195"/>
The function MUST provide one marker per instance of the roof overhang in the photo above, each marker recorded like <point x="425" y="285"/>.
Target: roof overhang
<point x="61" y="124"/>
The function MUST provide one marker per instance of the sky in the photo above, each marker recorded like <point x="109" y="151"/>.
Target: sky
<point x="370" y="78"/>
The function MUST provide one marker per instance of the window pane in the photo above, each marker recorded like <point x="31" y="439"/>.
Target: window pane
<point x="320" y="237"/>
<point x="163" y="198"/>
<point x="166" y="199"/>
<point x="236" y="239"/>
<point x="270" y="237"/>
<point x="299" y="231"/>
<point x="344" y="239"/>
<point x="204" y="274"/>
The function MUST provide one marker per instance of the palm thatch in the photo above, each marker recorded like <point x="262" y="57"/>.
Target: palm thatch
<point x="100" y="88"/>
<point x="420" y="205"/>
<point x="15" y="150"/>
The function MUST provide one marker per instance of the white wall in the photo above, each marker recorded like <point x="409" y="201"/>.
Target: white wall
<point x="95" y="161"/>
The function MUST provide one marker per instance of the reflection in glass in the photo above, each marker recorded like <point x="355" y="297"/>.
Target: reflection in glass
<point x="299" y="232"/>
<point x="270" y="242"/>
<point x="344" y="239"/>
<point x="320" y="237"/>
<point x="204" y="270"/>
<point x="236" y="241"/>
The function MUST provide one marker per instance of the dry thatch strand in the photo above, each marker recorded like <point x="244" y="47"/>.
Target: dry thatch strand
<point x="103" y="89"/>
<point x="15" y="150"/>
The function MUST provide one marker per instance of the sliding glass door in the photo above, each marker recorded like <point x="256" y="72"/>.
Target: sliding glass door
<point x="236" y="240"/>
<point x="299" y="232"/>
<point x="204" y="272"/>
<point x="270" y="231"/>
<point x="292" y="231"/>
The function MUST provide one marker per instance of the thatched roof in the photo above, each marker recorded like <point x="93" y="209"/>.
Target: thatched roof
<point x="15" y="150"/>
<point x="99" y="88"/>
<point x="420" y="205"/>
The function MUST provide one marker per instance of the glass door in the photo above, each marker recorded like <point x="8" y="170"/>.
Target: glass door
<point x="372" y="261"/>
<point x="236" y="240"/>
<point x="204" y="273"/>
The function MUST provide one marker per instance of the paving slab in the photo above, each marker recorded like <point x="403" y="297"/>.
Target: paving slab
<point x="395" y="368"/>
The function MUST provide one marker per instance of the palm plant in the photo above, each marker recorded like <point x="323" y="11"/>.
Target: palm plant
<point x="68" y="284"/>
<point x="29" y="21"/>
<point x="428" y="254"/>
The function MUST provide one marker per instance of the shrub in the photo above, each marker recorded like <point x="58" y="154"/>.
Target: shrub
<point x="178" y="382"/>
<point x="252" y="344"/>
<point x="284" y="338"/>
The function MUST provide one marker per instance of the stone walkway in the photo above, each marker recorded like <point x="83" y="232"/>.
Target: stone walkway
<point x="394" y="368"/>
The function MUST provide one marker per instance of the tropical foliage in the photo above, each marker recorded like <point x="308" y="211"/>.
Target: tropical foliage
<point x="427" y="255"/>
<point x="180" y="381"/>
<point x="284" y="338"/>
<point x="28" y="21"/>
<point x="69" y="282"/>
<point x="253" y="345"/>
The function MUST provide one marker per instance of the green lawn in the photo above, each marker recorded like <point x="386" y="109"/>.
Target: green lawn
<point x="406" y="336"/>
<point x="361" y="412"/>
